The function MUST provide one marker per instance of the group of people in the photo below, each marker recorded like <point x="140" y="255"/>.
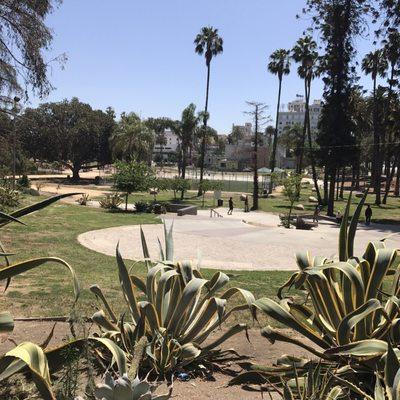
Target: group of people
<point x="231" y="205"/>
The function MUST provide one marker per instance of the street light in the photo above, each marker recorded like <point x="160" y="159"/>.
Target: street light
<point x="14" y="112"/>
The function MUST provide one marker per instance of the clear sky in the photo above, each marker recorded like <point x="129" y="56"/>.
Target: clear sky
<point x="139" y="55"/>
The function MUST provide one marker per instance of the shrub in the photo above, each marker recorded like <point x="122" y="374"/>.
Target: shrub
<point x="141" y="206"/>
<point x="111" y="201"/>
<point x="9" y="198"/>
<point x="179" y="310"/>
<point x="24" y="182"/>
<point x="83" y="200"/>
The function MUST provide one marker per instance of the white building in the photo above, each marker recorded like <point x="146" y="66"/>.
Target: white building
<point x="245" y="130"/>
<point x="170" y="147"/>
<point x="296" y="112"/>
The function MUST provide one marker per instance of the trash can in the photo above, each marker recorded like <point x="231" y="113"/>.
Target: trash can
<point x="220" y="203"/>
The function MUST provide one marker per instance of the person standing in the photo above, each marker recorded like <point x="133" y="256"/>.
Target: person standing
<point x="230" y="202"/>
<point x="368" y="215"/>
<point x="246" y="204"/>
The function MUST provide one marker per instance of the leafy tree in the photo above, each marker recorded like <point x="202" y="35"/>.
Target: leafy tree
<point x="236" y="135"/>
<point x="132" y="176"/>
<point x="24" y="37"/>
<point x="292" y="138"/>
<point x="133" y="139"/>
<point x="206" y="185"/>
<point x="70" y="132"/>
<point x="159" y="126"/>
<point x="279" y="65"/>
<point x="178" y="184"/>
<point x="185" y="130"/>
<point x="305" y="54"/>
<point x="339" y="23"/>
<point x="210" y="44"/>
<point x="292" y="189"/>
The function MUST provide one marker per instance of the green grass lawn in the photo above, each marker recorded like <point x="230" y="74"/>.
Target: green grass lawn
<point x="47" y="291"/>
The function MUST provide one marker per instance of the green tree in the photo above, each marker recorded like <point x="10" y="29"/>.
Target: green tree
<point x="210" y="44"/>
<point x="133" y="139"/>
<point x="206" y="185"/>
<point x="185" y="129"/>
<point x="375" y="64"/>
<point x="159" y="126"/>
<point x="305" y="54"/>
<point x="338" y="23"/>
<point x="292" y="189"/>
<point x="132" y="176"/>
<point x="69" y="132"/>
<point x="24" y="37"/>
<point x="292" y="139"/>
<point x="279" y="65"/>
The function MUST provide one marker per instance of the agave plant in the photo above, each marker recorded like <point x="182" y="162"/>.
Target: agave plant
<point x="27" y="354"/>
<point x="174" y="307"/>
<point x="348" y="313"/>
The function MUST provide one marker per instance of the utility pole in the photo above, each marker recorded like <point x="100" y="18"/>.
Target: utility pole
<point x="14" y="140"/>
<point x="258" y="114"/>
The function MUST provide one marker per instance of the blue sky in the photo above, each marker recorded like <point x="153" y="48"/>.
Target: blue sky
<point x="139" y="55"/>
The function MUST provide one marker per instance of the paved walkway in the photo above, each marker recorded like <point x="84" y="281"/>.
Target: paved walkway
<point x="243" y="241"/>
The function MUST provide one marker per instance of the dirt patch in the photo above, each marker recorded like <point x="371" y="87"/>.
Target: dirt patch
<point x="259" y="351"/>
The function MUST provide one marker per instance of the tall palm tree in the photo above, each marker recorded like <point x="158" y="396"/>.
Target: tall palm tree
<point x="375" y="64"/>
<point x="210" y="44"/>
<point x="305" y="53"/>
<point x="279" y="64"/>
<point x="133" y="139"/>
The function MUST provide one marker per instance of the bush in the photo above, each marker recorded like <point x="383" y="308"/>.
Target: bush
<point x="83" y="200"/>
<point x="111" y="201"/>
<point x="141" y="206"/>
<point x="24" y="182"/>
<point x="9" y="198"/>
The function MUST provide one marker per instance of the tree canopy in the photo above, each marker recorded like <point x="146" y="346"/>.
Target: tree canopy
<point x="70" y="132"/>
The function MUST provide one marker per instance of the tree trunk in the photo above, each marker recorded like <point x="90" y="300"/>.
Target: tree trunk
<point x="126" y="201"/>
<point x="312" y="157"/>
<point x="389" y="180"/>
<point x="337" y="184"/>
<point x="342" y="185"/>
<point x="255" y="177"/>
<point x="303" y="136"/>
<point x="184" y="162"/>
<point x="397" y="184"/>
<point x="326" y="186"/>
<point x="376" y="168"/>
<point x="75" y="172"/>
<point x="203" y="141"/>
<point x="331" y="195"/>
<point x="275" y="142"/>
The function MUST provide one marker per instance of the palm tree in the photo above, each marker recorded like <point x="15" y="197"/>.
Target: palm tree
<point x="279" y="64"/>
<point x="375" y="64"/>
<point x="305" y="53"/>
<point x="209" y="43"/>
<point x="133" y="139"/>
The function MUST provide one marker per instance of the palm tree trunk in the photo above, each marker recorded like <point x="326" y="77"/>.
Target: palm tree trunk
<point x="375" y="171"/>
<point x="303" y="136"/>
<point x="326" y="185"/>
<point x="275" y="143"/>
<point x="203" y="141"/>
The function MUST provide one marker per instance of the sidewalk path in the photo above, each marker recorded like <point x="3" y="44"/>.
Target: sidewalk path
<point x="243" y="241"/>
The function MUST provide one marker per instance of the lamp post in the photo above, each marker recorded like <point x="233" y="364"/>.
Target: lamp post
<point x="14" y="138"/>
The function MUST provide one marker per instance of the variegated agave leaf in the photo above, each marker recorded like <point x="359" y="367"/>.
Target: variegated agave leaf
<point x="174" y="307"/>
